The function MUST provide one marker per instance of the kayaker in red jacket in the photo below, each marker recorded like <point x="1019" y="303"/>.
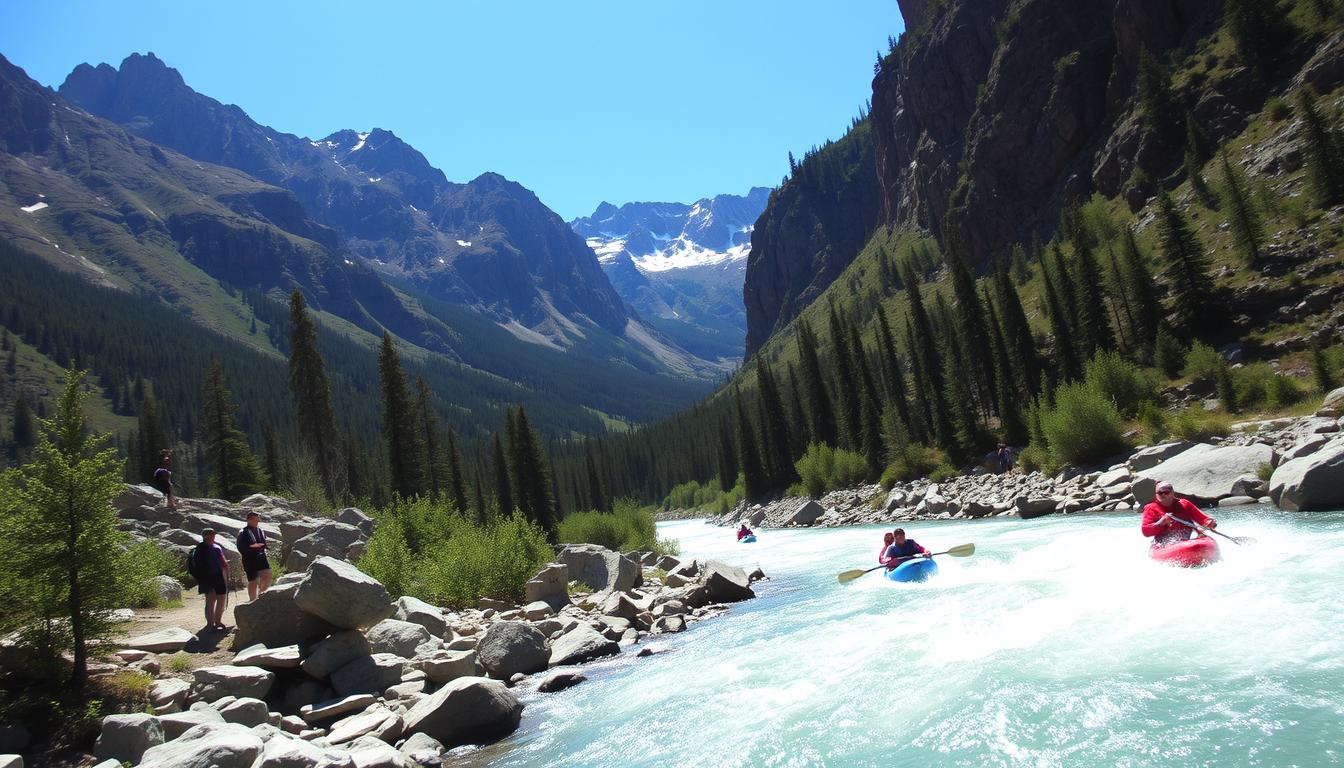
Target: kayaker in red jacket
<point x="887" y="538"/>
<point x="1160" y="517"/>
<point x="743" y="532"/>
<point x="902" y="549"/>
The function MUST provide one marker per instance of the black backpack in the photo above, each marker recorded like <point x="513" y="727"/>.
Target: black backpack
<point x="191" y="561"/>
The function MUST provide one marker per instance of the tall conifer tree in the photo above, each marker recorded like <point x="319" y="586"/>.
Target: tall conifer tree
<point x="1324" y="149"/>
<point x="312" y="398"/>
<point x="749" y="457"/>
<point x="1187" y="266"/>
<point x="403" y="447"/>
<point x="821" y="415"/>
<point x="236" y="470"/>
<point x="846" y="380"/>
<point x="1248" y="232"/>
<point x="503" y="484"/>
<point x="457" y="482"/>
<point x="428" y="422"/>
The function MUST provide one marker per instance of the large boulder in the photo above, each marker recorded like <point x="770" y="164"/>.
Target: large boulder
<point x="274" y="620"/>
<point x="1146" y="458"/>
<point x="725" y="583"/>
<point x="1207" y="473"/>
<point x="343" y="595"/>
<point x="511" y="647"/>
<point x="126" y="737"/>
<point x="335" y="652"/>
<point x="169" y="640"/>
<point x="178" y="723"/>
<point x="168" y="693"/>
<point x="227" y="680"/>
<point x="467" y="710"/>
<point x="599" y="567"/>
<point x="297" y="753"/>
<point x="417" y="611"/>
<point x="1312" y="483"/>
<point x="1034" y="506"/>
<point x="550" y="585"/>
<point x="372" y="752"/>
<point x="246" y="711"/>
<point x="444" y="666"/>
<point x="400" y="637"/>
<point x="1333" y="405"/>
<point x="325" y="710"/>
<point x="285" y="657"/>
<point x="356" y="517"/>
<point x="368" y="674"/>
<point x="331" y="539"/>
<point x="209" y="745"/>
<point x="580" y="644"/>
<point x="807" y="514"/>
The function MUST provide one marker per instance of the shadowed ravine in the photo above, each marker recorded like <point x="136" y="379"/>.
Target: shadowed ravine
<point x="1058" y="643"/>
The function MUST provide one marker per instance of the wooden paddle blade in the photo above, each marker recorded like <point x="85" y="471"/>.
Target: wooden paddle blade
<point x="1245" y="540"/>
<point x="848" y="576"/>
<point x="963" y="550"/>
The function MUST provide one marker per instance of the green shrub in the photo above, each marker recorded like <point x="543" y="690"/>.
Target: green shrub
<point x="1265" y="471"/>
<point x="1202" y="362"/>
<point x="823" y="468"/>
<point x="178" y="662"/>
<point x="142" y="565"/>
<point x="706" y="496"/>
<point x="913" y="462"/>
<point x="428" y="550"/>
<point x="1278" y="109"/>
<point x="1195" y="423"/>
<point x="626" y="528"/>
<point x="1084" y="426"/>
<point x="1154" y="421"/>
<point x="1168" y="355"/>
<point x="1035" y="457"/>
<point x="1118" y="380"/>
<point x="1283" y="391"/>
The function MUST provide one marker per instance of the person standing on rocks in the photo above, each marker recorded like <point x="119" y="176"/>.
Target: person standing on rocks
<point x="252" y="546"/>
<point x="1161" y="517"/>
<point x="1005" y="458"/>
<point x="211" y="570"/>
<point x="163" y="478"/>
<point x="902" y="549"/>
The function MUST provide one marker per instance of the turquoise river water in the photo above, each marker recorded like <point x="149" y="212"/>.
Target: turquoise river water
<point x="1057" y="644"/>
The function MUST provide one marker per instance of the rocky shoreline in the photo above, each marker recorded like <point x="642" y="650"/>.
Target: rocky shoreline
<point x="1302" y="458"/>
<point x="330" y="671"/>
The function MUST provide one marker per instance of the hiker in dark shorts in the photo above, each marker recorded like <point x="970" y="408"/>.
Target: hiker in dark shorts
<point x="252" y="546"/>
<point x="212" y="578"/>
<point x="163" y="478"/>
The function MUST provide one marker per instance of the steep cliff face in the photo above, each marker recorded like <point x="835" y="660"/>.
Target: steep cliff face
<point x="812" y="228"/>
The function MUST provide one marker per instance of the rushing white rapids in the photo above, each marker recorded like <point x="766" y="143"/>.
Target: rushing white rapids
<point x="1057" y="644"/>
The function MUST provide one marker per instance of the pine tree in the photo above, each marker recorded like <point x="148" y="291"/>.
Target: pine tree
<point x="1256" y="28"/>
<point x="1325" y="152"/>
<point x="927" y="367"/>
<point x="821" y="416"/>
<point x="1198" y="184"/>
<point x="774" y="429"/>
<point x="1007" y="393"/>
<point x="891" y="366"/>
<point x="1019" y="344"/>
<point x="312" y="398"/>
<point x="798" y="428"/>
<point x="846" y="380"/>
<point x="1320" y="367"/>
<point x="1187" y="267"/>
<point x="12" y="362"/>
<point x="236" y="470"/>
<point x="728" y="468"/>
<point x="873" y="448"/>
<point x="456" y="481"/>
<point x="1141" y="294"/>
<point x="1092" y="330"/>
<point x="1155" y="95"/>
<point x="1063" y="283"/>
<point x="1059" y="328"/>
<point x="271" y="451"/>
<point x="1197" y="143"/>
<point x="1248" y="232"/>
<point x="24" y="433"/>
<point x="533" y="478"/>
<point x="1227" y="393"/>
<point x="59" y="541"/>
<point x="1021" y="271"/>
<point x="429" y="430"/>
<point x="597" y="495"/>
<point x="503" y="484"/>
<point x="749" y="457"/>
<point x="403" y="449"/>
<point x="970" y="320"/>
<point x="152" y="438"/>
<point x="1168" y="355"/>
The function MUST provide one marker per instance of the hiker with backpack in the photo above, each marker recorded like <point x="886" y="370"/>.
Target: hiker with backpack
<point x="210" y="568"/>
<point x="163" y="478"/>
<point x="252" y="546"/>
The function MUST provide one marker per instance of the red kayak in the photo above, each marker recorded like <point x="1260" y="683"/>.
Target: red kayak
<point x="1192" y="553"/>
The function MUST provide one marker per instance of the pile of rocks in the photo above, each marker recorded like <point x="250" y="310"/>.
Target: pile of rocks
<point x="330" y="671"/>
<point x="295" y="539"/>
<point x="1306" y="456"/>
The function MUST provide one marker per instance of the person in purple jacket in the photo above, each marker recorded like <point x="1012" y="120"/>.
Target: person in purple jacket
<point x="902" y="549"/>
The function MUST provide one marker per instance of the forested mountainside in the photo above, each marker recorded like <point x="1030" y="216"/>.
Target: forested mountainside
<point x="221" y="250"/>
<point x="681" y="266"/>
<point x="1210" y="268"/>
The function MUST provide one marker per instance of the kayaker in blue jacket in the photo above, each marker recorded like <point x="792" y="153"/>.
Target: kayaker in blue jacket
<point x="902" y="549"/>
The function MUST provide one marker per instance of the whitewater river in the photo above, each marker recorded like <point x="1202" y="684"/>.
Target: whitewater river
<point x="1057" y="644"/>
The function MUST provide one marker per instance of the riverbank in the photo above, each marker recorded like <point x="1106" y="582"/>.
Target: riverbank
<point x="1296" y="463"/>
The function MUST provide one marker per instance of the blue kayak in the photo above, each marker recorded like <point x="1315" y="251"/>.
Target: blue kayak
<point x="914" y="570"/>
<point x="750" y="538"/>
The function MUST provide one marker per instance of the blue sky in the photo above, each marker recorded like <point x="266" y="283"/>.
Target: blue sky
<point x="580" y="101"/>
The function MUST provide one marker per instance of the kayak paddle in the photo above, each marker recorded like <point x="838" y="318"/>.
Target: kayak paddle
<point x="1243" y="540"/>
<point x="961" y="550"/>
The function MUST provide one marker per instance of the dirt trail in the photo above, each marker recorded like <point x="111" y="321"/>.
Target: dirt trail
<point x="210" y="648"/>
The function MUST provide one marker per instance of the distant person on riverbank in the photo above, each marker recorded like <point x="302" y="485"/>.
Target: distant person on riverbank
<point x="1161" y="516"/>
<point x="1005" y="458"/>
<point x="211" y="570"/>
<point x="163" y="478"/>
<point x="252" y="546"/>
<point x="743" y="532"/>
<point x="902" y="549"/>
<point x="887" y="539"/>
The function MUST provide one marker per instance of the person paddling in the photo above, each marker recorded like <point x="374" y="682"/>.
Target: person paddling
<point x="1161" y="517"/>
<point x="902" y="549"/>
<point x="252" y="546"/>
<point x="212" y="577"/>
<point x="743" y="532"/>
<point x="887" y="539"/>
